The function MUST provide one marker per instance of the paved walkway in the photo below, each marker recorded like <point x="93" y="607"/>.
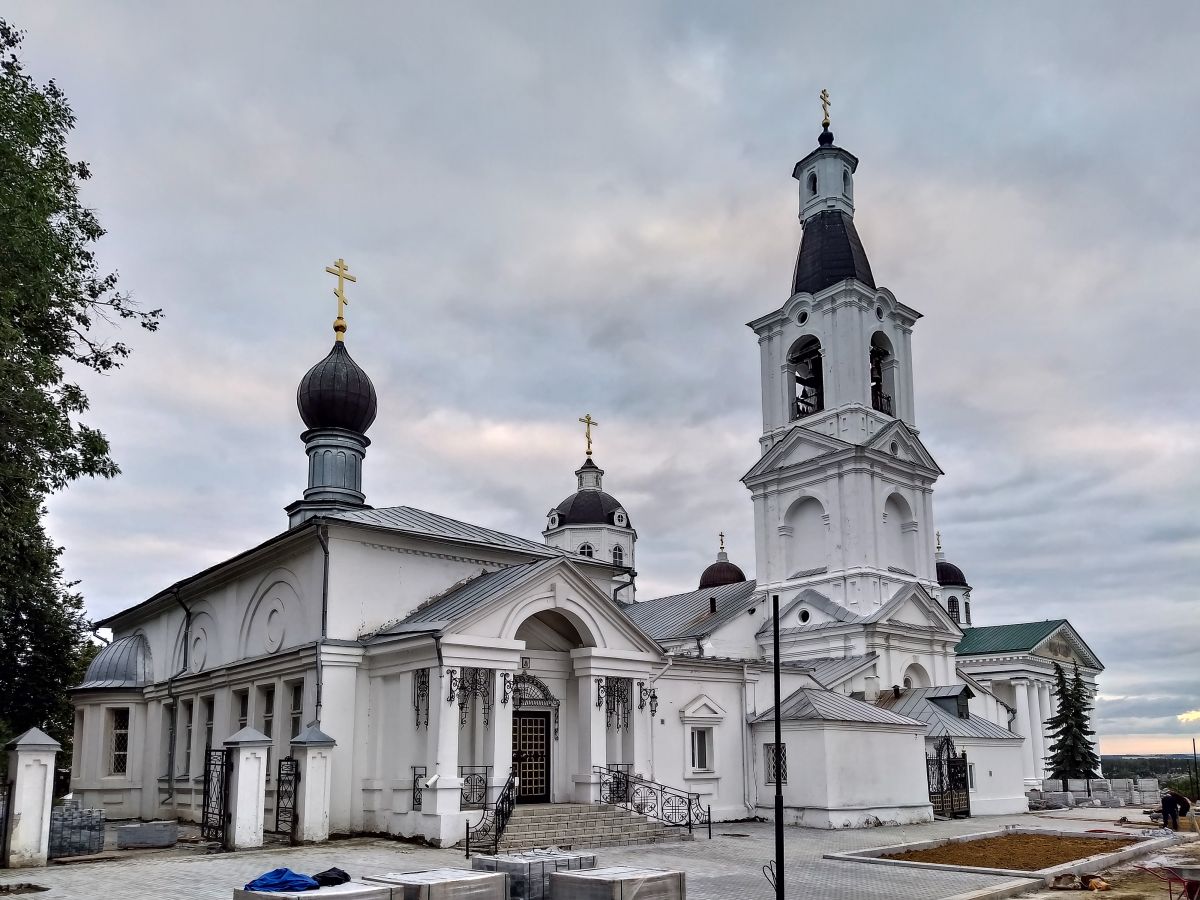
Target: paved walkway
<point x="727" y="868"/>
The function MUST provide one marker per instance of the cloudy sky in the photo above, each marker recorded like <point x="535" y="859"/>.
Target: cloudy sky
<point x="565" y="208"/>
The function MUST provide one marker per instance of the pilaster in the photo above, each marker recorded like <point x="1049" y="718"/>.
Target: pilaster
<point x="313" y="750"/>
<point x="247" y="788"/>
<point x="31" y="771"/>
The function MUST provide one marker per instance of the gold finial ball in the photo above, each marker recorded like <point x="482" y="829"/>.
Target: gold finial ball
<point x="339" y="327"/>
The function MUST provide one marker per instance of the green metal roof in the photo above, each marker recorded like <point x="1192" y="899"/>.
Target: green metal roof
<point x="1022" y="636"/>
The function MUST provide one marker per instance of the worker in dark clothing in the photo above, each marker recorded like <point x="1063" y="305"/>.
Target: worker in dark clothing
<point x="1170" y="810"/>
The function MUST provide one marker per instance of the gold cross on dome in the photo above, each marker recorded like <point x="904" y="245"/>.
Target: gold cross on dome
<point x="342" y="271"/>
<point x="939" y="541"/>
<point x="722" y="541"/>
<point x="588" y="422"/>
<point x="825" y="107"/>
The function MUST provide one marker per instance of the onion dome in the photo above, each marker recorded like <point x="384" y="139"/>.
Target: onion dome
<point x="125" y="663"/>
<point x="721" y="572"/>
<point x="590" y="505"/>
<point x="950" y="575"/>
<point x="336" y="393"/>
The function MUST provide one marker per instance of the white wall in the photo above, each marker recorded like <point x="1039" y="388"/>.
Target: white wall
<point x="999" y="778"/>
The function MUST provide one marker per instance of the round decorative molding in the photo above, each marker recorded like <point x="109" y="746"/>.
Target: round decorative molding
<point x="198" y="652"/>
<point x="276" y="626"/>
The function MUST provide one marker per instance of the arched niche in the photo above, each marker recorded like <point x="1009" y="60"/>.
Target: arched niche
<point x="550" y="630"/>
<point x="805" y="527"/>
<point x="203" y="641"/>
<point x="898" y="532"/>
<point x="274" y="617"/>
<point x="915" y="676"/>
<point x="586" y="626"/>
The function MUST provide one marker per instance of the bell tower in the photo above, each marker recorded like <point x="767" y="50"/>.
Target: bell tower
<point x="843" y="490"/>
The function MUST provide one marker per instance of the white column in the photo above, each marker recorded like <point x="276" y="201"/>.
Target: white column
<point x="339" y="715"/>
<point x="247" y="788"/>
<point x="593" y="739"/>
<point x="500" y="736"/>
<point x="1037" y="719"/>
<point x="1047" y="712"/>
<point x="313" y="750"/>
<point x="442" y="797"/>
<point x="1024" y="728"/>
<point x="31" y="771"/>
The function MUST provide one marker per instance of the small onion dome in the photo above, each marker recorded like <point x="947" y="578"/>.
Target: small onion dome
<point x="948" y="574"/>
<point x="720" y="573"/>
<point x="336" y="393"/>
<point x="125" y="663"/>
<point x="590" y="507"/>
<point x="825" y="138"/>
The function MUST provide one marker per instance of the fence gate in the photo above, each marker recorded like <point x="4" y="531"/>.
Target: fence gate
<point x="218" y="767"/>
<point x="949" y="781"/>
<point x="285" y="795"/>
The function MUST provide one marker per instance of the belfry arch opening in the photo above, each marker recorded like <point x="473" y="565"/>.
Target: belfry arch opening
<point x="883" y="374"/>
<point x="805" y="364"/>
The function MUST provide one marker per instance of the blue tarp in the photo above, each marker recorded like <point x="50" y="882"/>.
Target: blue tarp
<point x="279" y="880"/>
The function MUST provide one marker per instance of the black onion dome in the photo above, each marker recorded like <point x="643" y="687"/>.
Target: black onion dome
<point x="825" y="138"/>
<point x="336" y="393"/>
<point x="950" y="574"/>
<point x="830" y="251"/>
<point x="720" y="573"/>
<point x="590" y="507"/>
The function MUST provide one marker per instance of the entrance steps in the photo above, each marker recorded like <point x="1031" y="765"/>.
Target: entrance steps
<point x="582" y="825"/>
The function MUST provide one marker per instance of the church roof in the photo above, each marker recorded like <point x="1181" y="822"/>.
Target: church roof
<point x="1017" y="638"/>
<point x="812" y="704"/>
<point x="917" y="703"/>
<point x="417" y="521"/>
<point x="336" y="393"/>
<point x="463" y="598"/>
<point x="125" y="663"/>
<point x="831" y="671"/>
<point x="690" y="614"/>
<point x="720" y="573"/>
<point x="589" y="507"/>
<point x="830" y="251"/>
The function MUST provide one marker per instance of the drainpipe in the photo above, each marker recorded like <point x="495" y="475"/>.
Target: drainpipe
<point x="187" y="641"/>
<point x="323" y="537"/>
<point x="621" y="587"/>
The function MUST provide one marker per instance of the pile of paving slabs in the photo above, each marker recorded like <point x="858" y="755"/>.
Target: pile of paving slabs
<point x="529" y="872"/>
<point x="443" y="884"/>
<point x="618" y="883"/>
<point x="351" y="890"/>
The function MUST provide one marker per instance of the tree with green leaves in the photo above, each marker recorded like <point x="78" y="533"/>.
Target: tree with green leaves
<point x="58" y="313"/>
<point x="1072" y="754"/>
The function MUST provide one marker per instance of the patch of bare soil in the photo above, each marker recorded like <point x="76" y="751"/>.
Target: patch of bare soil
<point x="1025" y="852"/>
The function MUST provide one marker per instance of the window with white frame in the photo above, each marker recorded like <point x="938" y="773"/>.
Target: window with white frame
<point x="700" y="717"/>
<point x="118" y="741"/>
<point x="241" y="702"/>
<point x="297" y="708"/>
<point x="168" y="739"/>
<point x="187" y="713"/>
<point x="702" y="749"/>
<point x="267" y="718"/>
<point x="206" y="707"/>
<point x="587" y="550"/>
<point x="618" y="556"/>
<point x="971" y="775"/>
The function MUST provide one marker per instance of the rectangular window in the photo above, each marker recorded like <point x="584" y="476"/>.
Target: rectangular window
<point x="241" y="702"/>
<point x="118" y="721"/>
<point x="971" y="775"/>
<point x="206" y="704"/>
<point x="168" y="740"/>
<point x="297" y="708"/>
<point x="702" y="760"/>
<point x="775" y="763"/>
<point x="188" y="712"/>
<point x="267" y="716"/>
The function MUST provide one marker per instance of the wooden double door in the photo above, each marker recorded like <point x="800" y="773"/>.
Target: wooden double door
<point x="531" y="755"/>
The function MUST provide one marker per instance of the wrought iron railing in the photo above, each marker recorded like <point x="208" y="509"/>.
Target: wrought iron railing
<point x="418" y="786"/>
<point x="682" y="809"/>
<point x="474" y="786"/>
<point x="491" y="827"/>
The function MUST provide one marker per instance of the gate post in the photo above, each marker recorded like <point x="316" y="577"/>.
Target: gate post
<point x="31" y="768"/>
<point x="247" y="788"/>
<point x="313" y="750"/>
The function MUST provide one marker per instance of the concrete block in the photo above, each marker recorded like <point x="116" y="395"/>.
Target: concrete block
<point x="163" y="833"/>
<point x="444" y="884"/>
<point x="351" y="890"/>
<point x="1066" y="798"/>
<point x="618" y="883"/>
<point x="530" y="872"/>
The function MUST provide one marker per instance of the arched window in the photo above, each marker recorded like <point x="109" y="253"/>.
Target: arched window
<point x="883" y="374"/>
<point x="618" y="556"/>
<point x="586" y="550"/>
<point x="846" y="182"/>
<point x="812" y="184"/>
<point x="805" y="362"/>
<point x="952" y="609"/>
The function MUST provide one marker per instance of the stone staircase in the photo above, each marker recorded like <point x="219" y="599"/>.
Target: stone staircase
<point x="582" y="825"/>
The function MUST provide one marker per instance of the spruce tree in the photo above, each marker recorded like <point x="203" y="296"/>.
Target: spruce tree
<point x="1071" y="752"/>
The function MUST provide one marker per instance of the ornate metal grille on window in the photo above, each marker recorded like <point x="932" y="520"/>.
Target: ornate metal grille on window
<point x="618" y="702"/>
<point x="421" y="696"/>
<point x="775" y="763"/>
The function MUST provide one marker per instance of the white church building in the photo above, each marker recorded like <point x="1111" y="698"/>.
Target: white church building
<point x="443" y="657"/>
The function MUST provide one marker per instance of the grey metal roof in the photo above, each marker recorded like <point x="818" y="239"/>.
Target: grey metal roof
<point x="917" y="703"/>
<point x="418" y="521"/>
<point x="125" y="663"/>
<point x="817" y="601"/>
<point x="830" y="671"/>
<point x="811" y="704"/>
<point x="479" y="590"/>
<point x="688" y="615"/>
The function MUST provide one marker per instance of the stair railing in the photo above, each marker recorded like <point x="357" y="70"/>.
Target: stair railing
<point x="490" y="827"/>
<point x="621" y="787"/>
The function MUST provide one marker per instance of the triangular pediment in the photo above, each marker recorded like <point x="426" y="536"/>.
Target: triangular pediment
<point x="899" y="441"/>
<point x="702" y="706"/>
<point x="797" y="446"/>
<point x="1066" y="647"/>
<point x="913" y="607"/>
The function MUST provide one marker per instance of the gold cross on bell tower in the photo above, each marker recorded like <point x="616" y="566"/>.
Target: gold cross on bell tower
<point x="825" y="108"/>
<point x="342" y="271"/>
<point x="588" y="422"/>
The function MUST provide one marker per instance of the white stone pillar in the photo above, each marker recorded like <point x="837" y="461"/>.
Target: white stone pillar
<point x="1047" y="712"/>
<point x="31" y="772"/>
<point x="640" y="722"/>
<point x="247" y="788"/>
<point x="1037" y="719"/>
<point x="500" y="736"/>
<point x="593" y="739"/>
<point x="313" y="750"/>
<point x="1024" y="728"/>
<point x="442" y="796"/>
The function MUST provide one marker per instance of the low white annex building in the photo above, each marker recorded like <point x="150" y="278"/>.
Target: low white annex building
<point x="443" y="656"/>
